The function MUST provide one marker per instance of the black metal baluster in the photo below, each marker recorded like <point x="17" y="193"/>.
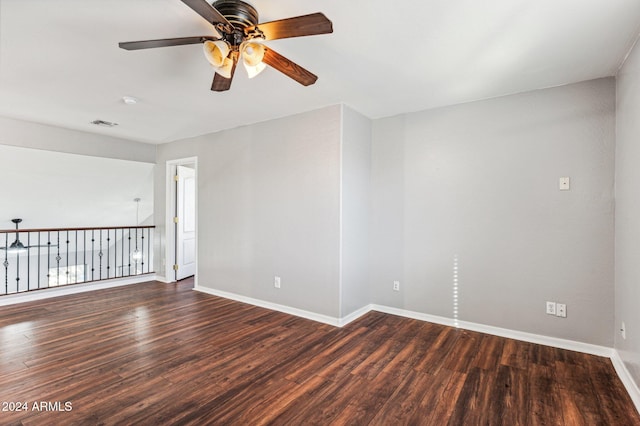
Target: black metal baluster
<point x="84" y="254"/>
<point x="108" y="257"/>
<point x="121" y="267"/>
<point x="129" y="253"/>
<point x="48" y="258"/>
<point x="124" y="250"/>
<point x="17" y="272"/>
<point x="58" y="259"/>
<point x="38" y="259"/>
<point x="100" y="257"/>
<point x="28" y="260"/>
<point x="136" y="253"/>
<point x="150" y="263"/>
<point x="142" y="251"/>
<point x="115" y="253"/>
<point x="76" y="261"/>
<point x="6" y="264"/>
<point x="93" y="250"/>
<point x="67" y="272"/>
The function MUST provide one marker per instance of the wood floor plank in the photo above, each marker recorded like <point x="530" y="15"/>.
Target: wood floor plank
<point x="157" y="353"/>
<point x="544" y="402"/>
<point x="614" y="405"/>
<point x="512" y="392"/>
<point x="432" y="359"/>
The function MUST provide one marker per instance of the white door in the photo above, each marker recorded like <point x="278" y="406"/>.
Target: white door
<point x="186" y="226"/>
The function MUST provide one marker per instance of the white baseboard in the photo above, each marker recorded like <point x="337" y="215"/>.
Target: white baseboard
<point x="12" y="299"/>
<point x="340" y="322"/>
<point x="354" y="315"/>
<point x="273" y="306"/>
<point x="626" y="379"/>
<point x="502" y="332"/>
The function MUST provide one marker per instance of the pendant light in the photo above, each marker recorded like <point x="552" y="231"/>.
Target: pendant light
<point x="136" y="256"/>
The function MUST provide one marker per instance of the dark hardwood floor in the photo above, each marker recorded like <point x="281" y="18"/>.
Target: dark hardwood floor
<point x="160" y="354"/>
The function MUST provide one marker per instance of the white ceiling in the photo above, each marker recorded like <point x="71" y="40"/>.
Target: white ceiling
<point x="60" y="63"/>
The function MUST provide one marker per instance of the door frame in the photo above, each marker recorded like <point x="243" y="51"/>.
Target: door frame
<point x="170" y="229"/>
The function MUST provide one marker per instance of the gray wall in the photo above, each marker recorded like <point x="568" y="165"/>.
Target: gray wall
<point x="268" y="204"/>
<point x="355" y="188"/>
<point x="56" y="189"/>
<point x="627" y="292"/>
<point x="58" y="177"/>
<point x="477" y="185"/>
<point x="41" y="136"/>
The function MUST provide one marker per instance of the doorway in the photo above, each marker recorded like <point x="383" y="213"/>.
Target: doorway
<point x="181" y="226"/>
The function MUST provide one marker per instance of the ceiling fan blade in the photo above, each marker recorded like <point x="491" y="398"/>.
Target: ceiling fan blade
<point x="148" y="44"/>
<point x="222" y="84"/>
<point x="290" y="69"/>
<point x="208" y="12"/>
<point x="299" y="26"/>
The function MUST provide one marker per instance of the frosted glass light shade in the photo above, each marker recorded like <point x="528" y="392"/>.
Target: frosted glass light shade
<point x="216" y="52"/>
<point x="252" y="53"/>
<point x="253" y="71"/>
<point x="225" y="69"/>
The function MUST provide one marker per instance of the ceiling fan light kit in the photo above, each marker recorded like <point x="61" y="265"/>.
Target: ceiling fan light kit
<point x="241" y="38"/>
<point x="17" y="247"/>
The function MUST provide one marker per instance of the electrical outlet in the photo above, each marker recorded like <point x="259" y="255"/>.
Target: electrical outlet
<point x="276" y="282"/>
<point x="551" y="308"/>
<point x="561" y="310"/>
<point x="623" y="331"/>
<point x="564" y="183"/>
<point x="396" y="286"/>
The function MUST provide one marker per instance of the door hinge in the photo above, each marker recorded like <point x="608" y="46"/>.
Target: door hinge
<point x="176" y="178"/>
<point x="175" y="219"/>
<point x="175" y="267"/>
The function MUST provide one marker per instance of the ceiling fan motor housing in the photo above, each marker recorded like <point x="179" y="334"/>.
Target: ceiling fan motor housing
<point x="239" y="13"/>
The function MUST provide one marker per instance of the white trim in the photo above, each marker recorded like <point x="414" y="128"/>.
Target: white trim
<point x="48" y="293"/>
<point x="170" y="199"/>
<point x="626" y="378"/>
<point x="340" y="209"/>
<point x="466" y="325"/>
<point x="354" y="315"/>
<point x="273" y="306"/>
<point x="169" y="248"/>
<point x="502" y="332"/>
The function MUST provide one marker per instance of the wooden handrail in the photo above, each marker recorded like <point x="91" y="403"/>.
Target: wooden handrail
<point x="6" y="231"/>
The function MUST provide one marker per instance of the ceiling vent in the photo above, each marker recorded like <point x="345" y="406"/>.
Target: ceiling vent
<point x="104" y="123"/>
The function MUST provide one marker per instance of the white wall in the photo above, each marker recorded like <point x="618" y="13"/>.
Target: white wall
<point x="627" y="248"/>
<point x="355" y="205"/>
<point x="57" y="189"/>
<point x="477" y="185"/>
<point x="268" y="204"/>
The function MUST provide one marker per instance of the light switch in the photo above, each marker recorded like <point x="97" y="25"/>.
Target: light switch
<point x="564" y="183"/>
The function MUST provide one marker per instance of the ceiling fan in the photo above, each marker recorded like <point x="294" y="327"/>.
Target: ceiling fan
<point x="17" y="246"/>
<point x="241" y="39"/>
